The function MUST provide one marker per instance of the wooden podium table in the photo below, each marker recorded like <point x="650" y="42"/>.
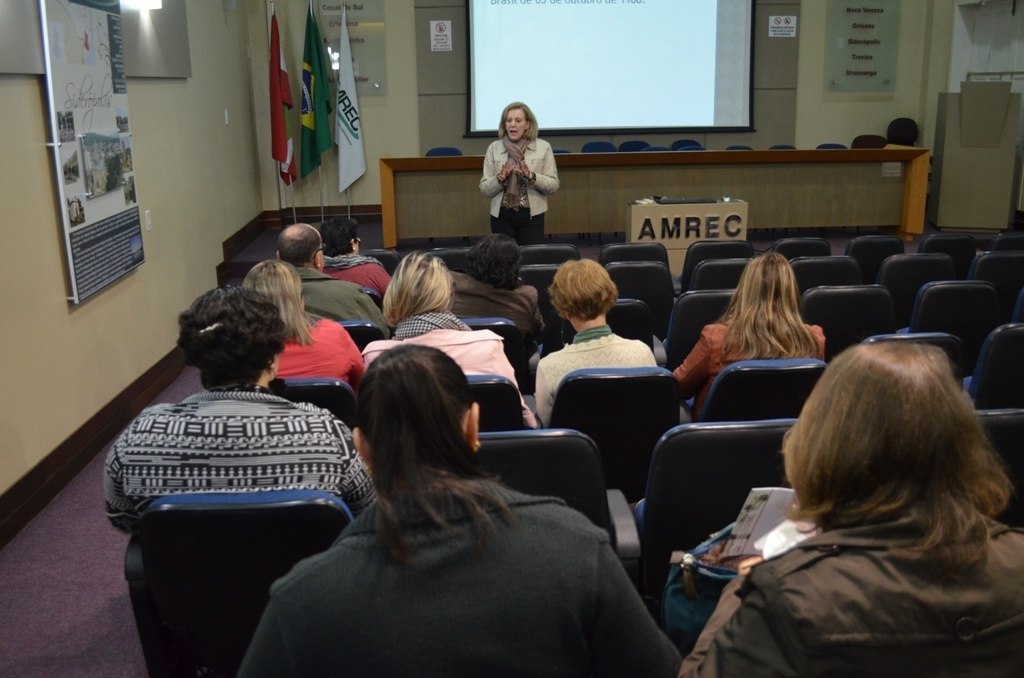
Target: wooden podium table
<point x="440" y="196"/>
<point x="679" y="225"/>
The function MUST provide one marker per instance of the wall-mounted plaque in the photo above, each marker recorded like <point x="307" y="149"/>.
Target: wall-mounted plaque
<point x="862" y="45"/>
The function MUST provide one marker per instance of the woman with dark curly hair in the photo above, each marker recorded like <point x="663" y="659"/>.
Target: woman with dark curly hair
<point x="234" y="436"/>
<point x="450" y="573"/>
<point x="490" y="287"/>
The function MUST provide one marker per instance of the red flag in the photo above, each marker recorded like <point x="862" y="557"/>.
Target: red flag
<point x="280" y="97"/>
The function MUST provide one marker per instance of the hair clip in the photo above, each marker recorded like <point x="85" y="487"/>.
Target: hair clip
<point x="209" y="328"/>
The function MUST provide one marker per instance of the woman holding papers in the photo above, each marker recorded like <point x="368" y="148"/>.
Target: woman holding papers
<point x="519" y="175"/>
<point x="908" y="574"/>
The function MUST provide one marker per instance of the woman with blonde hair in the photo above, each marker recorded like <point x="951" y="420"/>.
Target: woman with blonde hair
<point x="583" y="293"/>
<point x="315" y="347"/>
<point x="762" y="321"/>
<point x="519" y="175"/>
<point x="908" y="574"/>
<point x="418" y="305"/>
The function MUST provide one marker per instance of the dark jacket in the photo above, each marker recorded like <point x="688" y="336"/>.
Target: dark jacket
<point x="476" y="299"/>
<point x="852" y="602"/>
<point x="544" y="596"/>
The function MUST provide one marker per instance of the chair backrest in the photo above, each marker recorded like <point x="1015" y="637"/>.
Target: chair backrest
<point x="802" y="247"/>
<point x="655" y="148"/>
<point x="868" y="141"/>
<point x="690" y="313"/>
<point x="362" y="331"/>
<point x="1018" y="309"/>
<point x="550" y="462"/>
<point x="968" y="309"/>
<point x="739" y="147"/>
<point x="717" y="274"/>
<point x="782" y="147"/>
<point x="1005" y="270"/>
<point x="998" y="379"/>
<point x="749" y="390"/>
<point x="961" y="247"/>
<point x="633" y="145"/>
<point x="904" y="274"/>
<point x="815" y="271"/>
<point x="388" y="258"/>
<point x="631" y="319"/>
<point x="713" y="249"/>
<point x="598" y="147"/>
<point x="950" y="343"/>
<point x="548" y="253"/>
<point x="651" y="283"/>
<point x="513" y="344"/>
<point x="540" y="276"/>
<point x="680" y="144"/>
<point x="632" y="251"/>
<point x="1007" y="240"/>
<point x="625" y="411"/>
<point x="870" y="251"/>
<point x="201" y="567"/>
<point x="1005" y="430"/>
<point x="830" y="146"/>
<point x="334" y="395"/>
<point x="902" y="131"/>
<point x="453" y="257"/>
<point x="700" y="476"/>
<point x="378" y="300"/>
<point x="498" y="397"/>
<point x="848" y="314"/>
<point x="442" y="151"/>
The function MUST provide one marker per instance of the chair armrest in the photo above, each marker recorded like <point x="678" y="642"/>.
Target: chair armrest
<point x="627" y="539"/>
<point x="133" y="569"/>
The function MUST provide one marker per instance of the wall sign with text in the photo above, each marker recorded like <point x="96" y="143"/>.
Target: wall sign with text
<point x="862" y="45"/>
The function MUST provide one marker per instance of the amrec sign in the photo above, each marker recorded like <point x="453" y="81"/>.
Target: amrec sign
<point x="677" y="226"/>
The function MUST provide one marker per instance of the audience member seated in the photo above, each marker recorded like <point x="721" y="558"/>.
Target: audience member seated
<point x="418" y="304"/>
<point x="450" y="573"/>
<point x="491" y="287"/>
<point x="762" y="321"/>
<point x="314" y="347"/>
<point x="583" y="293"/>
<point x="300" y="245"/>
<point x="235" y="435"/>
<point x="907" y="573"/>
<point x="342" y="260"/>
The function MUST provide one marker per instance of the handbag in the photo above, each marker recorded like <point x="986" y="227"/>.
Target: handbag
<point x="692" y="590"/>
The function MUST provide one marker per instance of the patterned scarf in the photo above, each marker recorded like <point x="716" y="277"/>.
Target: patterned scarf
<point x="415" y="325"/>
<point x="516" y="154"/>
<point x="346" y="261"/>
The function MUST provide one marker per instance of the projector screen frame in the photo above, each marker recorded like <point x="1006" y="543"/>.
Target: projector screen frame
<point x="598" y="131"/>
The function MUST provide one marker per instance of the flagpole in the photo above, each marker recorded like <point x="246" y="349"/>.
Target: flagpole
<point x="320" y="179"/>
<point x="348" y="198"/>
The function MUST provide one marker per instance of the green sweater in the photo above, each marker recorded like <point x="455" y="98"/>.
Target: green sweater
<point x="338" y="299"/>
<point x="544" y="596"/>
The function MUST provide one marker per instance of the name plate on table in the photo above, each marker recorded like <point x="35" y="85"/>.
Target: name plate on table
<point x="677" y="225"/>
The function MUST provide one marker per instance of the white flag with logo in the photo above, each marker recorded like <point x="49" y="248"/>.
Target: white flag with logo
<point x="351" y="159"/>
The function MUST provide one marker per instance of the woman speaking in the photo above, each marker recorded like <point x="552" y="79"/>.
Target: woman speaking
<point x="519" y="175"/>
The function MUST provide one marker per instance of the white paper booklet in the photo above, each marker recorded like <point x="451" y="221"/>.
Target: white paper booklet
<point x="764" y="509"/>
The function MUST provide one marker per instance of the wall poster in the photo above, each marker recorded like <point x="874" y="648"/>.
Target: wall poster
<point x="84" y="53"/>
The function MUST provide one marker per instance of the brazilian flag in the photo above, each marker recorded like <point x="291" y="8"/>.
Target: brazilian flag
<point x="316" y="99"/>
